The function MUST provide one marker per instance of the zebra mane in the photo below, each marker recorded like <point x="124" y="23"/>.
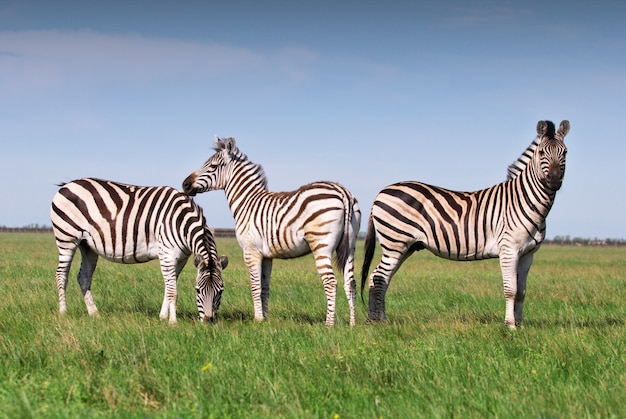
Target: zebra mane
<point x="518" y="165"/>
<point x="229" y="145"/>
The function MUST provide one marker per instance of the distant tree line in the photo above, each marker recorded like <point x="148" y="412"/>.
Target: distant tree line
<point x="581" y="241"/>
<point x="31" y="228"/>
<point x="230" y="232"/>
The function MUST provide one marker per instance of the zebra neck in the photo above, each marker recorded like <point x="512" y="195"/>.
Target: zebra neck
<point x="538" y="199"/>
<point x="246" y="182"/>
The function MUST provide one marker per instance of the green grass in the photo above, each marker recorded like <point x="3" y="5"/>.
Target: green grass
<point x="443" y="353"/>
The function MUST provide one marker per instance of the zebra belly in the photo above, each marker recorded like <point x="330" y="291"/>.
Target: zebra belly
<point x="298" y="249"/>
<point x="463" y="252"/>
<point x="489" y="251"/>
<point x="123" y="251"/>
<point x="462" y="256"/>
<point x="274" y="247"/>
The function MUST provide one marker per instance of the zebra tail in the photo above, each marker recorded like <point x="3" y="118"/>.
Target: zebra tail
<point x="343" y="250"/>
<point x="370" y="242"/>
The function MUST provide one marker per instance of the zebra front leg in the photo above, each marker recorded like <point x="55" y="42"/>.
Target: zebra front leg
<point x="168" y="308"/>
<point x="508" y="266"/>
<point x="254" y="263"/>
<point x="266" y="273"/>
<point x="165" y="307"/>
<point x="522" y="274"/>
<point x="89" y="259"/>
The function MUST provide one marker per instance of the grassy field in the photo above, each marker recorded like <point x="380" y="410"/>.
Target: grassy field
<point x="443" y="353"/>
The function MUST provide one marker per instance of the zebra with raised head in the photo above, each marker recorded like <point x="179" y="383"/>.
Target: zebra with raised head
<point x="320" y="217"/>
<point x="135" y="224"/>
<point x="505" y="221"/>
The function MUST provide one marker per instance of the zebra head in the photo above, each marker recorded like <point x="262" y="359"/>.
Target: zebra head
<point x="549" y="156"/>
<point x="209" y="285"/>
<point x="213" y="174"/>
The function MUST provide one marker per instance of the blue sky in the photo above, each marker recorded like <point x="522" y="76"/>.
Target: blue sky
<point x="365" y="93"/>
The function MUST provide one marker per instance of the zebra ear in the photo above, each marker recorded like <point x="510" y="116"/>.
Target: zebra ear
<point x="198" y="260"/>
<point x="542" y="128"/>
<point x="563" y="130"/>
<point x="230" y="145"/>
<point x="545" y="129"/>
<point x="224" y="261"/>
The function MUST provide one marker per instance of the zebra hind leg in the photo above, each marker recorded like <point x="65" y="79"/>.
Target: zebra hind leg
<point x="85" y="275"/>
<point x="350" y="289"/>
<point x="66" y="255"/>
<point x="349" y="284"/>
<point x="381" y="278"/>
<point x="323" y="263"/>
<point x="377" y="290"/>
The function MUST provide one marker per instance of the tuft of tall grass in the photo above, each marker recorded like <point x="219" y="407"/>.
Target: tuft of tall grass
<point x="443" y="353"/>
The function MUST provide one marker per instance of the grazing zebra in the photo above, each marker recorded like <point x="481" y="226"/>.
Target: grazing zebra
<point x="505" y="221"/>
<point x="320" y="217"/>
<point x="135" y="224"/>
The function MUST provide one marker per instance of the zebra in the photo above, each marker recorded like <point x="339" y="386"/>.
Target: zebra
<point x="319" y="217"/>
<point x="505" y="221"/>
<point x="134" y="224"/>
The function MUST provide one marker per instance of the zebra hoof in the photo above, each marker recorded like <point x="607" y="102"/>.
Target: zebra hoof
<point x="207" y="319"/>
<point x="511" y="326"/>
<point x="376" y="317"/>
<point x="377" y="320"/>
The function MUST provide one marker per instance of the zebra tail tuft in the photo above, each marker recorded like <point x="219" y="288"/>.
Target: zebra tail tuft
<point x="370" y="242"/>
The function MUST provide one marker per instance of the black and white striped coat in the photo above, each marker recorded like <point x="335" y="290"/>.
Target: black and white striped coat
<point x="320" y="217"/>
<point x="506" y="221"/>
<point x="135" y="224"/>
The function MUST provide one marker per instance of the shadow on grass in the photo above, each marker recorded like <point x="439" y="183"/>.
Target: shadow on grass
<point x="248" y="316"/>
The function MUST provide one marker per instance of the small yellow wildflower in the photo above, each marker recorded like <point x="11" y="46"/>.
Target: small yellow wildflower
<point x="206" y="367"/>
